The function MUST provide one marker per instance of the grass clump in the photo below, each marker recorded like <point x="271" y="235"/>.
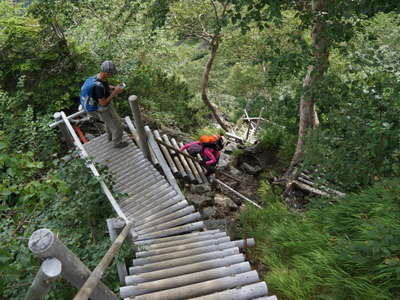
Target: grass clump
<point x="346" y="250"/>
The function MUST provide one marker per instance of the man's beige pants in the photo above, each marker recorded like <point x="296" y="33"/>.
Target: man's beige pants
<point x="112" y="122"/>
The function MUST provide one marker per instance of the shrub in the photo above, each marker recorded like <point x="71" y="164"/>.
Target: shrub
<point x="165" y="98"/>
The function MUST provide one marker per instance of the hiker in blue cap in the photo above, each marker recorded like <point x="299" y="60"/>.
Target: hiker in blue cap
<point x="96" y="98"/>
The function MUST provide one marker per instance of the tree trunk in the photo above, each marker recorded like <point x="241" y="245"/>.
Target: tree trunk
<point x="311" y="84"/>
<point x="204" y="84"/>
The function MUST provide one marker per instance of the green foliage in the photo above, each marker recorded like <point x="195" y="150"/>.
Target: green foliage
<point x="272" y="138"/>
<point x="23" y="130"/>
<point x="360" y="130"/>
<point x="46" y="67"/>
<point x="209" y="131"/>
<point x="236" y="153"/>
<point x="333" y="251"/>
<point x="196" y="18"/>
<point x="158" y="12"/>
<point x="166" y="99"/>
<point x="33" y="198"/>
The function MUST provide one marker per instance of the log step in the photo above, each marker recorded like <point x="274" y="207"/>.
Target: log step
<point x="173" y="240"/>
<point x="182" y="247"/>
<point x="172" y="231"/>
<point x="185" y="269"/>
<point x="168" y="217"/>
<point x="183" y="261"/>
<point x="183" y="253"/>
<point x="241" y="293"/>
<point x="202" y="288"/>
<point x="183" y="280"/>
<point x="173" y="223"/>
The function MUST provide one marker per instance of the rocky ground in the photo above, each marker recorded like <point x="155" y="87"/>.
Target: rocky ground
<point x="240" y="168"/>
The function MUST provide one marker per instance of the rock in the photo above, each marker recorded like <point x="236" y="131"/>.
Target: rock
<point x="251" y="169"/>
<point x="67" y="158"/>
<point x="215" y="224"/>
<point x="200" y="188"/>
<point x="231" y="205"/>
<point x="89" y="136"/>
<point x="224" y="202"/>
<point x="199" y="200"/>
<point x="208" y="212"/>
<point x="224" y="160"/>
<point x="230" y="147"/>
<point x="234" y="171"/>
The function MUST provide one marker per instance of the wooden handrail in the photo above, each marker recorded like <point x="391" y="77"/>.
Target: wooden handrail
<point x="77" y="114"/>
<point x="134" y="105"/>
<point x="95" y="277"/>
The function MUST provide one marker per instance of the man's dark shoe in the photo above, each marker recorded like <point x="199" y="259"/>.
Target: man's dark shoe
<point x="121" y="145"/>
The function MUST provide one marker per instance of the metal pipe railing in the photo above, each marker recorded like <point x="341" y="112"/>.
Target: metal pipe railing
<point x="92" y="167"/>
<point x="77" y="114"/>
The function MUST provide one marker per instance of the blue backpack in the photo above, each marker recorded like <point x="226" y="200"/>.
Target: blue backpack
<point x="86" y="99"/>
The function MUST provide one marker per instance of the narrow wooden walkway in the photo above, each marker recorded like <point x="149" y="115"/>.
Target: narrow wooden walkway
<point x="176" y="257"/>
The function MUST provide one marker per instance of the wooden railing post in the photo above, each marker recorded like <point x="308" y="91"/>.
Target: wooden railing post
<point x="163" y="163"/>
<point x="45" y="244"/>
<point x="114" y="228"/>
<point x="49" y="271"/>
<point x="133" y="103"/>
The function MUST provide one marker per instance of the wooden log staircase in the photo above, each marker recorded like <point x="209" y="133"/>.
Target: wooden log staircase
<point x="176" y="257"/>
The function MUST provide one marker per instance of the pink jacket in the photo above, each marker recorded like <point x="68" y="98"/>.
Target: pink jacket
<point x="210" y="153"/>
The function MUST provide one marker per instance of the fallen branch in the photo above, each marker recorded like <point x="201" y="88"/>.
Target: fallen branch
<point x="308" y="180"/>
<point x="310" y="189"/>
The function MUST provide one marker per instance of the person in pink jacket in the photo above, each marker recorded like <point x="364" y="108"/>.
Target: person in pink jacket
<point x="209" y="153"/>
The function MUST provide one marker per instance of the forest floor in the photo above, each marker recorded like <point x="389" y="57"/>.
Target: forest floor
<point x="243" y="172"/>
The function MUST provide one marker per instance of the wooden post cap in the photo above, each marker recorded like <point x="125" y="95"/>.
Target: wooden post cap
<point x="41" y="240"/>
<point x="133" y="98"/>
<point x="118" y="223"/>
<point x="52" y="267"/>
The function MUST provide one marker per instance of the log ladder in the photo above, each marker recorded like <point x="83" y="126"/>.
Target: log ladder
<point x="175" y="256"/>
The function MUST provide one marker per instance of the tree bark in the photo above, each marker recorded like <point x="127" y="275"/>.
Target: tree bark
<point x="315" y="74"/>
<point x="204" y="84"/>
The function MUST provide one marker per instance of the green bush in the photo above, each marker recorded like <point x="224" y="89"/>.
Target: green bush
<point x="24" y="130"/>
<point x="32" y="198"/>
<point x="47" y="68"/>
<point x="362" y="135"/>
<point x="165" y="98"/>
